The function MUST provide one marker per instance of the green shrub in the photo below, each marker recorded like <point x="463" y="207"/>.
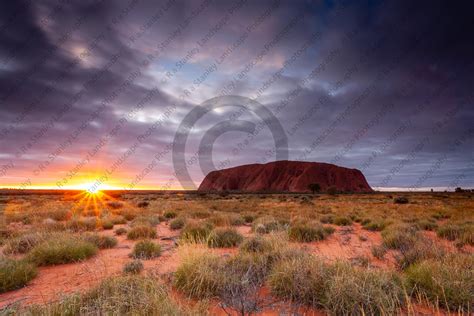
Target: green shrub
<point x="223" y="238"/>
<point x="133" y="267"/>
<point x="120" y="231"/>
<point x="449" y="282"/>
<point x="196" y="232"/>
<point x="101" y="242"/>
<point x="308" y="232"/>
<point x="141" y="232"/>
<point x="342" y="221"/>
<point x="146" y="249"/>
<point x="15" y="274"/>
<point x="169" y="214"/>
<point x="400" y="200"/>
<point x="61" y="250"/>
<point x="23" y="243"/>
<point x="177" y="223"/>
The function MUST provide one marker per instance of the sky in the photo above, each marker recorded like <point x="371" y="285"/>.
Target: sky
<point x="138" y="94"/>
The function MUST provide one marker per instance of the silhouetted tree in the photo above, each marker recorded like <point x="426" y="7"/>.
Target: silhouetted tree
<point x="314" y="187"/>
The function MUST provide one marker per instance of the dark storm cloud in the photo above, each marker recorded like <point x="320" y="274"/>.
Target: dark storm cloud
<point x="374" y="82"/>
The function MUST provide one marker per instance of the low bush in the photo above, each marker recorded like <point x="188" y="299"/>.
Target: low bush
<point x="177" y="223"/>
<point x="100" y="241"/>
<point x="141" y="232"/>
<point x="107" y="224"/>
<point x="120" y="231"/>
<point x="224" y="237"/>
<point x="15" y="274"/>
<point x="143" y="204"/>
<point x="117" y="219"/>
<point x="146" y="249"/>
<point x="379" y="251"/>
<point x="342" y="221"/>
<point x="248" y="218"/>
<point x="308" y="232"/>
<point x="400" y="200"/>
<point x="170" y="215"/>
<point x="61" y="250"/>
<point x="377" y="225"/>
<point x="115" y="205"/>
<point x="133" y="267"/>
<point x="448" y="282"/>
<point x="256" y="244"/>
<point x="327" y="219"/>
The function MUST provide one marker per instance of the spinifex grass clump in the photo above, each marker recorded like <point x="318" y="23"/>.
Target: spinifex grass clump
<point x="463" y="233"/>
<point x="268" y="224"/>
<point x="146" y="249"/>
<point x="195" y="232"/>
<point x="82" y="224"/>
<point x="448" y="281"/>
<point x="224" y="237"/>
<point x="308" y="232"/>
<point x="15" y="274"/>
<point x="256" y="245"/>
<point x="197" y="276"/>
<point x="142" y="220"/>
<point x="303" y="279"/>
<point x="101" y="242"/>
<point x="177" y="223"/>
<point x="342" y="221"/>
<point x="23" y="243"/>
<point x="61" y="249"/>
<point x="339" y="288"/>
<point x="120" y="295"/>
<point x="133" y="267"/>
<point x="141" y="232"/>
<point x="399" y="236"/>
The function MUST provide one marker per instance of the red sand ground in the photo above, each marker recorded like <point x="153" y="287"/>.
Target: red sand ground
<point x="55" y="281"/>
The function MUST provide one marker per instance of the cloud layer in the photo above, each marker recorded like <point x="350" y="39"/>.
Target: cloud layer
<point x="94" y="91"/>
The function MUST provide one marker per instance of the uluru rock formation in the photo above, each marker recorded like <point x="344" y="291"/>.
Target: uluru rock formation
<point x="285" y="176"/>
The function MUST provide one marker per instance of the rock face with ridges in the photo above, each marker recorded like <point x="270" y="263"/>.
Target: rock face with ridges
<point x="285" y="176"/>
